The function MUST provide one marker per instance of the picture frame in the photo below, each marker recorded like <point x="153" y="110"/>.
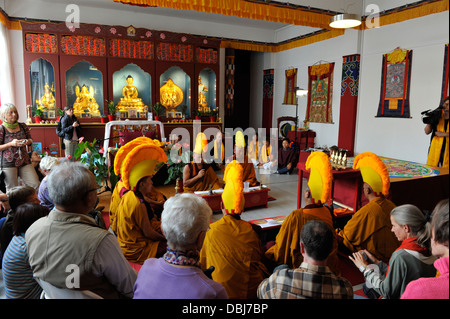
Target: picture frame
<point x="171" y="115"/>
<point x="142" y="115"/>
<point x="51" y="114"/>
<point x="85" y="115"/>
<point x="132" y="113"/>
<point x="178" y="115"/>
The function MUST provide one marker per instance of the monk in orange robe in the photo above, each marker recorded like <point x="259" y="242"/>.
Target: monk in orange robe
<point x="198" y="176"/>
<point x="137" y="227"/>
<point x="370" y="227"/>
<point x="232" y="246"/>
<point x="248" y="174"/>
<point x="287" y="245"/>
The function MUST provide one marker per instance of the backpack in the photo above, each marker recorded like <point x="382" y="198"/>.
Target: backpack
<point x="59" y="130"/>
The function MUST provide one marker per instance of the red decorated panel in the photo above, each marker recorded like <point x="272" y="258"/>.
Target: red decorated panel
<point x="207" y="55"/>
<point x="83" y="45"/>
<point x="175" y="52"/>
<point x="40" y="43"/>
<point x="126" y="48"/>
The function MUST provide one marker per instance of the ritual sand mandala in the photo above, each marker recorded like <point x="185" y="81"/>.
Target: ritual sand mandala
<point x="404" y="169"/>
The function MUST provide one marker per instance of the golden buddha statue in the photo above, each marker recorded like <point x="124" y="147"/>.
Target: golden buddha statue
<point x="171" y="95"/>
<point x="202" y="104"/>
<point x="47" y="101"/>
<point x="130" y="98"/>
<point x="85" y="101"/>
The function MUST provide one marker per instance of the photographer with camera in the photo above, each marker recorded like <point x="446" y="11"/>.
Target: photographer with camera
<point x="437" y="124"/>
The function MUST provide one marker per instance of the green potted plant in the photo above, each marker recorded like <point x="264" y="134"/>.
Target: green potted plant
<point x="199" y="114"/>
<point x="38" y="115"/>
<point x="175" y="169"/>
<point x="157" y="110"/>
<point x="212" y="115"/>
<point x="112" y="109"/>
<point x="60" y="114"/>
<point x="94" y="161"/>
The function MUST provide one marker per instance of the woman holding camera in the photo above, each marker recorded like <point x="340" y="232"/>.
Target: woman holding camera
<point x="438" y="151"/>
<point x="14" y="138"/>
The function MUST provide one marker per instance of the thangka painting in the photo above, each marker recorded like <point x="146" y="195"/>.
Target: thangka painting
<point x="320" y="93"/>
<point x="445" y="86"/>
<point x="395" y="84"/>
<point x="291" y="84"/>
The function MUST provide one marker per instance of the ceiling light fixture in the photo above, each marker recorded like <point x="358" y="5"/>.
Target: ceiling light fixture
<point x="345" y="20"/>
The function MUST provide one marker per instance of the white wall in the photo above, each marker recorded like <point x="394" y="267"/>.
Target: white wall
<point x="391" y="137"/>
<point x="396" y="137"/>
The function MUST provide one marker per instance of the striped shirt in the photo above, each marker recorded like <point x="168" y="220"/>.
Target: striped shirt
<point x="306" y="282"/>
<point x="17" y="273"/>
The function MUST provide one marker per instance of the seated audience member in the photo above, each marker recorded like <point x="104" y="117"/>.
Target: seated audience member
<point x="232" y="246"/>
<point x="69" y="237"/>
<point x="248" y="174"/>
<point x="313" y="279"/>
<point x="253" y="150"/>
<point x="287" y="247"/>
<point x="438" y="287"/>
<point x="17" y="273"/>
<point x="17" y="195"/>
<point x="197" y="175"/>
<point x="4" y="205"/>
<point x="370" y="226"/>
<point x="409" y="262"/>
<point x="287" y="158"/>
<point x="178" y="274"/>
<point x="46" y="166"/>
<point x="137" y="227"/>
<point x="35" y="162"/>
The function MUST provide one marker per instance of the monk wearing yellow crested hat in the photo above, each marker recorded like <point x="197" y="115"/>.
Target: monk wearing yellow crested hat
<point x="232" y="245"/>
<point x="137" y="227"/>
<point x="370" y="227"/>
<point x="248" y="174"/>
<point x="119" y="190"/>
<point x="286" y="249"/>
<point x="197" y="175"/>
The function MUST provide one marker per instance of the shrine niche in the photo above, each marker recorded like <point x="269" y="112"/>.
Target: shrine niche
<point x="42" y="86"/>
<point x="84" y="89"/>
<point x="175" y="91"/>
<point x="206" y="91"/>
<point x="132" y="89"/>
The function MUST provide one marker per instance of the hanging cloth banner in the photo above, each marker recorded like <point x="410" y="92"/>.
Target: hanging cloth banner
<point x="395" y="83"/>
<point x="445" y="86"/>
<point x="320" y="93"/>
<point x="268" y="83"/>
<point x="291" y="83"/>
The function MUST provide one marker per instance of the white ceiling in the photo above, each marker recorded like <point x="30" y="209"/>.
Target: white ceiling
<point x="209" y="24"/>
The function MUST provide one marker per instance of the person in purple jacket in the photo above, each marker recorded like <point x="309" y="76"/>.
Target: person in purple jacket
<point x="178" y="274"/>
<point x="46" y="166"/>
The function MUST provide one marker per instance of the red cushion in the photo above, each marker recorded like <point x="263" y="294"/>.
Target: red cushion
<point x="129" y="136"/>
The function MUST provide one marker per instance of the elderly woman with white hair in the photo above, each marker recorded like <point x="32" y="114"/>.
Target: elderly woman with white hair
<point x="178" y="275"/>
<point x="409" y="262"/>
<point x="14" y="139"/>
<point x="46" y="164"/>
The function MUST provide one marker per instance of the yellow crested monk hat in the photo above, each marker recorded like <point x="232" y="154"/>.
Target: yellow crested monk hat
<point x="320" y="177"/>
<point x="232" y="196"/>
<point x="239" y="139"/>
<point x="373" y="172"/>
<point x="143" y="160"/>
<point x="201" y="143"/>
<point x="124" y="150"/>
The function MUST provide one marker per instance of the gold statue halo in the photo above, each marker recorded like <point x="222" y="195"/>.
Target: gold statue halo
<point x="171" y="95"/>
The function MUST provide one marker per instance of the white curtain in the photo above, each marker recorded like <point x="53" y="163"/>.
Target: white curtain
<point x="6" y="70"/>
